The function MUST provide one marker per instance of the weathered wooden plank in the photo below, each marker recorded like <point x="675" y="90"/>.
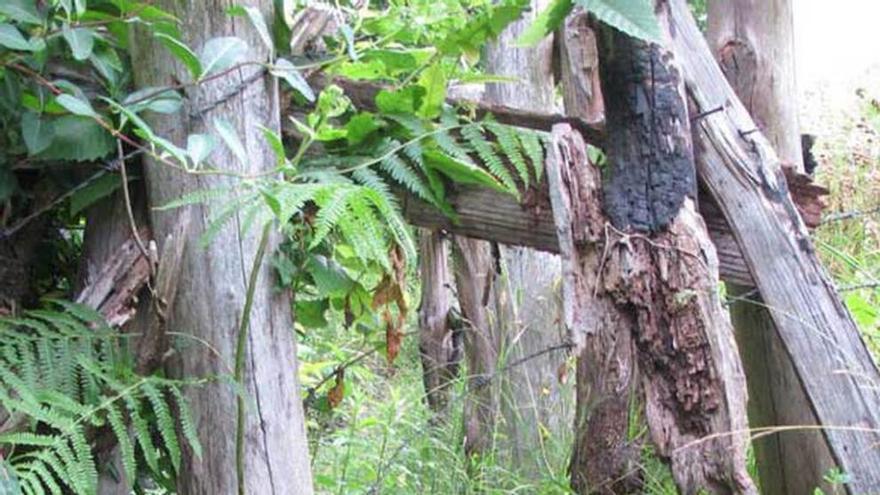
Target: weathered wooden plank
<point x="742" y="171"/>
<point x="753" y="41"/>
<point x="495" y="216"/>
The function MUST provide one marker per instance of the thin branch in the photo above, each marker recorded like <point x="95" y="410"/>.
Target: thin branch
<point x="847" y="215"/>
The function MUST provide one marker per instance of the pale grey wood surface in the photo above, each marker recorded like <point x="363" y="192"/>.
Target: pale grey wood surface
<point x="742" y="171"/>
<point x="753" y="42"/>
<point x="213" y="281"/>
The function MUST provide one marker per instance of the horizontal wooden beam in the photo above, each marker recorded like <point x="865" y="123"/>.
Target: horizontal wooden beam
<point x="495" y="216"/>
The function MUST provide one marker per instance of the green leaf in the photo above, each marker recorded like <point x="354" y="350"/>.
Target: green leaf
<point x="405" y="100"/>
<point x="222" y="53"/>
<point x="285" y="70"/>
<point x="633" y="17"/>
<point x="433" y="79"/>
<point x="276" y="144"/>
<point x="36" y="131"/>
<point x="258" y="21"/>
<point x="21" y="10"/>
<point x="183" y="53"/>
<point x="362" y="71"/>
<point x="329" y="276"/>
<point x="310" y="314"/>
<point x="461" y="171"/>
<point x="230" y="137"/>
<point x="547" y="21"/>
<point x="359" y="127"/>
<point x="199" y="147"/>
<point x="76" y="106"/>
<point x="165" y="102"/>
<point x="11" y="38"/>
<point x="81" y="41"/>
<point x="78" y="139"/>
<point x="99" y="188"/>
<point x="863" y="312"/>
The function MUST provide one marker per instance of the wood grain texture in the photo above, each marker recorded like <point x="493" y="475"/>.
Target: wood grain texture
<point x="742" y="171"/>
<point x="753" y="43"/>
<point x="213" y="281"/>
<point x="536" y="408"/>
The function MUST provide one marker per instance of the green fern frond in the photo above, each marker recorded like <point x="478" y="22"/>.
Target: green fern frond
<point x="187" y="425"/>
<point x="488" y="157"/>
<point x="402" y="173"/>
<point x="164" y="422"/>
<point x="126" y="449"/>
<point x="510" y="146"/>
<point x="333" y="204"/>
<point x="531" y="145"/>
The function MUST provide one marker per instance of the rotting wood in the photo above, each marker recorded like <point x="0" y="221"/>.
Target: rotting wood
<point x="117" y="282"/>
<point x="495" y="216"/>
<point x="659" y="266"/>
<point x="153" y="343"/>
<point x="742" y="171"/>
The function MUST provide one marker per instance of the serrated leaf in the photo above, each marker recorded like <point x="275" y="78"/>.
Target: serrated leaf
<point x="547" y="21"/>
<point x="165" y="102"/>
<point x="21" y="10"/>
<point x="230" y="137"/>
<point x="276" y="144"/>
<point x="36" y="131"/>
<point x="76" y="106"/>
<point x="219" y="54"/>
<point x="199" y="147"/>
<point x="80" y="40"/>
<point x="11" y="38"/>
<point x="633" y="17"/>
<point x="183" y="53"/>
<point x="99" y="188"/>
<point x="285" y="70"/>
<point x="77" y="139"/>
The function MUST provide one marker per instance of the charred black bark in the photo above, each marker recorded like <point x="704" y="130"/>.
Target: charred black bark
<point x="646" y="121"/>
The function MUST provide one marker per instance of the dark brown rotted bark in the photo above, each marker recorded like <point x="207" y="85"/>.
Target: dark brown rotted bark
<point x="658" y="269"/>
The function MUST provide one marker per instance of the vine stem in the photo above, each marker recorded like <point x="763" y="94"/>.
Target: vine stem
<point x="239" y="354"/>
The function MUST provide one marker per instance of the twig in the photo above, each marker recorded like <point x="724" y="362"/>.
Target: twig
<point x="847" y="215"/>
<point x="7" y="233"/>
<point x="865" y="285"/>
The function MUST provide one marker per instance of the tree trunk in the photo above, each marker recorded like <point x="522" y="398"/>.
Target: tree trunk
<point x="438" y="340"/>
<point x="754" y="44"/>
<point x="658" y="275"/>
<point x="213" y="281"/>
<point x="742" y="172"/>
<point x="536" y="408"/>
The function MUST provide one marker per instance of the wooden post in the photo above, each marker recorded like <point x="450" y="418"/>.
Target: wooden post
<point x="535" y="407"/>
<point x="754" y="44"/>
<point x="437" y="341"/>
<point x="742" y="172"/>
<point x="213" y="282"/>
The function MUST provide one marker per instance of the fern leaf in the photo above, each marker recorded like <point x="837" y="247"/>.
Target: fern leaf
<point x="531" y="144"/>
<point x="28" y="438"/>
<point x="165" y="423"/>
<point x="142" y="433"/>
<point x="450" y="146"/>
<point x="333" y="204"/>
<point x="510" y="146"/>
<point x="126" y="449"/>
<point x="489" y="157"/>
<point x="395" y="223"/>
<point x="402" y="173"/>
<point x="86" y="461"/>
<point x="46" y="478"/>
<point x="187" y="425"/>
